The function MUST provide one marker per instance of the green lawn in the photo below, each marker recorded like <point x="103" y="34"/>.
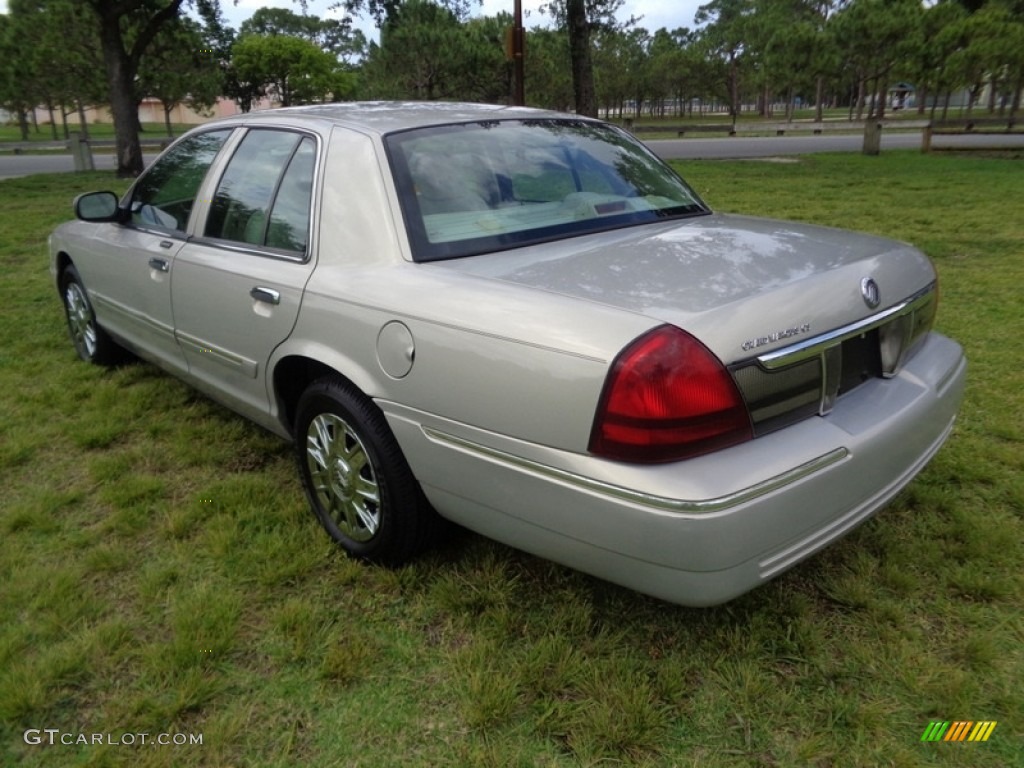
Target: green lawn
<point x="11" y="132"/>
<point x="159" y="571"/>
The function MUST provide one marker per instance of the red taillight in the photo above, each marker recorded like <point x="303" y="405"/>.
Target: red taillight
<point x="667" y="397"/>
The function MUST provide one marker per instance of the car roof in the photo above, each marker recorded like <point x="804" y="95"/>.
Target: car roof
<point x="383" y="117"/>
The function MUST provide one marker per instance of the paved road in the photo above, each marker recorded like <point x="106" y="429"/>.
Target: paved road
<point x="729" y="147"/>
<point x="12" y="166"/>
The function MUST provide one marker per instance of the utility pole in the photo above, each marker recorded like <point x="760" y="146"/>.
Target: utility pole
<point x="518" y="53"/>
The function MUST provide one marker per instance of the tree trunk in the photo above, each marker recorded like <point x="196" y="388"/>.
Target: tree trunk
<point x="819" y="97"/>
<point x="23" y="124"/>
<point x="734" y="87"/>
<point x="53" y="120"/>
<point x="82" y="122"/>
<point x="122" y="65"/>
<point x="167" y="117"/>
<point x="579" y="52"/>
<point x="123" y="107"/>
<point x="972" y="96"/>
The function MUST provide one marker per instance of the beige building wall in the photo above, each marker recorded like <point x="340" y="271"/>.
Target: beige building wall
<point x="152" y="111"/>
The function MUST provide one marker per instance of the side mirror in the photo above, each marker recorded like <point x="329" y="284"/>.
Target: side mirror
<point x="98" y="206"/>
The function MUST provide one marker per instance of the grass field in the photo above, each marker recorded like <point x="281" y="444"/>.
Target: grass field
<point x="11" y="132"/>
<point x="159" y="571"/>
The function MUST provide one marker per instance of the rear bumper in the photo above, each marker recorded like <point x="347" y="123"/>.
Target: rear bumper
<point x="702" y="531"/>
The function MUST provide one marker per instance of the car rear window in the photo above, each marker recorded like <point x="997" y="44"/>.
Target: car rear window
<point x="472" y="188"/>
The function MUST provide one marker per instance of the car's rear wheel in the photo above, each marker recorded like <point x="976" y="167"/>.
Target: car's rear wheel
<point x="355" y="476"/>
<point x="91" y="342"/>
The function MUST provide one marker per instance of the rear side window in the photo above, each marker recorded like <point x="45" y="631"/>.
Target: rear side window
<point x="264" y="197"/>
<point x="163" y="198"/>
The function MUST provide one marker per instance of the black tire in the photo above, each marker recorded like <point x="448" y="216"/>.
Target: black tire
<point x="91" y="342"/>
<point x="356" y="479"/>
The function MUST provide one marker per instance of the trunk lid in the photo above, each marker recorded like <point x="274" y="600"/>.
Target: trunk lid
<point x="738" y="283"/>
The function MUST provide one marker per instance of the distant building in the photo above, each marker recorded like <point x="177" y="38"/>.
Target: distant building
<point x="150" y="111"/>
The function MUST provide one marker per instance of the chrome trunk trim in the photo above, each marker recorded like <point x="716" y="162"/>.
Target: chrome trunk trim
<point x="816" y="346"/>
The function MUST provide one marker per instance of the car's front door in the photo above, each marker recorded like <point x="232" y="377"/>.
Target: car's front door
<point x="237" y="285"/>
<point x="130" y="268"/>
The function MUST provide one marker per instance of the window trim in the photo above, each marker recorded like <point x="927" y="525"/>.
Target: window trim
<point x="178" y="234"/>
<point x="213" y="182"/>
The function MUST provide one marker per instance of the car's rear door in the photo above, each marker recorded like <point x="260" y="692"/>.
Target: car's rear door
<point x="129" y="267"/>
<point x="237" y="284"/>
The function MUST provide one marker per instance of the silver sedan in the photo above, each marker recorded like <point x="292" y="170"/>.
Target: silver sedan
<point x="523" y="322"/>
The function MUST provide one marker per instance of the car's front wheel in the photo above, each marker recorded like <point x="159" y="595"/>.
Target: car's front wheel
<point x="91" y="342"/>
<point x="355" y="476"/>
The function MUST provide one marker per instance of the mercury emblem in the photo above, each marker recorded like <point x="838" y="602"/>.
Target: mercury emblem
<point x="869" y="290"/>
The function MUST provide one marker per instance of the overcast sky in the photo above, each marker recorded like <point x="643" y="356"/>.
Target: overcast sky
<point x="656" y="13"/>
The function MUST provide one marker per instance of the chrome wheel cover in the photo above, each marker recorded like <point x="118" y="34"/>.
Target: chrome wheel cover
<point x="83" y="332"/>
<point x="343" y="476"/>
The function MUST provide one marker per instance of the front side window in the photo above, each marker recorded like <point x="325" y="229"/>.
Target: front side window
<point x="263" y="198"/>
<point x="479" y="187"/>
<point x="163" y="198"/>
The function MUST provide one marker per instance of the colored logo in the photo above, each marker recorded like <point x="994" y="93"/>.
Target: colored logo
<point x="960" y="730"/>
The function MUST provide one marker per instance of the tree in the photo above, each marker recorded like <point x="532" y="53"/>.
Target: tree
<point x="295" y="70"/>
<point x="724" y="38"/>
<point x="180" y="67"/>
<point x="333" y="35"/>
<point x="791" y="49"/>
<point x="622" y="69"/>
<point x="51" y="58"/>
<point x="927" y="63"/>
<point x="488" y="75"/>
<point x="384" y="12"/>
<point x="669" y="71"/>
<point x="993" y="51"/>
<point x="612" y="85"/>
<point x="427" y="53"/>
<point x="220" y="39"/>
<point x="579" y="54"/>
<point x="581" y="19"/>
<point x="549" y="74"/>
<point x="16" y="71"/>
<point x="72" y="65"/>
<point x="874" y="36"/>
<point x="126" y="29"/>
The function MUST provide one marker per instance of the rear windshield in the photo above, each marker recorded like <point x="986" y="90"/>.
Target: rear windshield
<point x="473" y="188"/>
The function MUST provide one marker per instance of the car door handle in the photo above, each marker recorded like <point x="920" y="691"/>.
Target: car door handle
<point x="160" y="265"/>
<point x="268" y="295"/>
<point x="166" y="243"/>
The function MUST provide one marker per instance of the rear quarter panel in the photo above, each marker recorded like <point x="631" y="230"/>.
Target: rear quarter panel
<point x="506" y="358"/>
